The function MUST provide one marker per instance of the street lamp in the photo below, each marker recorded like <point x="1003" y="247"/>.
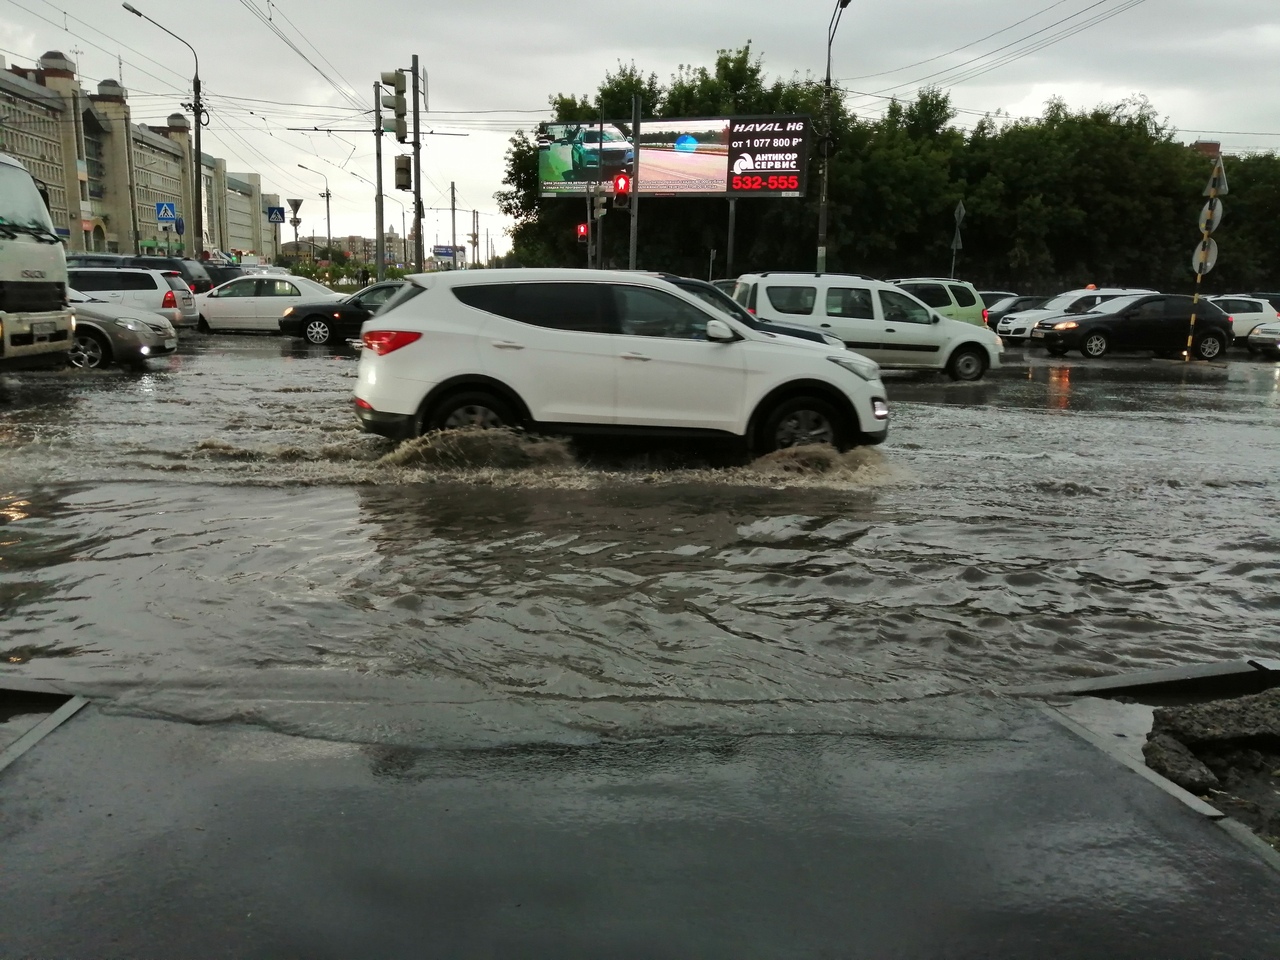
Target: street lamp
<point x="827" y="143"/>
<point x="404" y="237"/>
<point x="197" y="114"/>
<point x="327" y="229"/>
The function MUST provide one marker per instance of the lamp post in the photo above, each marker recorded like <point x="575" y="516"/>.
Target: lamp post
<point x="328" y="230"/>
<point x="197" y="115"/>
<point x="404" y="237"/>
<point x="827" y="142"/>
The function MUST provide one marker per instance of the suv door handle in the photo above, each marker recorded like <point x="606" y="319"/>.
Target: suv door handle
<point x="508" y="345"/>
<point x="890" y="330"/>
<point x="636" y="356"/>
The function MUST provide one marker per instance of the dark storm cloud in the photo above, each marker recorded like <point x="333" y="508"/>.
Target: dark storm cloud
<point x="1206" y="67"/>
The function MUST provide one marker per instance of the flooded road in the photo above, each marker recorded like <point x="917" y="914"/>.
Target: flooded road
<point x="215" y="540"/>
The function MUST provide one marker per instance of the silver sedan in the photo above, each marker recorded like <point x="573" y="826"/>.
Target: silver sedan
<point x="106" y="334"/>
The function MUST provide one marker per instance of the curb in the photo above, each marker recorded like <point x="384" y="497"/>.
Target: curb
<point x="41" y="730"/>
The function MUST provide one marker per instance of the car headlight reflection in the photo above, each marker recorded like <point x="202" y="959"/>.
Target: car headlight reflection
<point x="1066" y="325"/>
<point x="137" y="326"/>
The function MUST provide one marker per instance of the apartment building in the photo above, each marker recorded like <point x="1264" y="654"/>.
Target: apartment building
<point x="106" y="174"/>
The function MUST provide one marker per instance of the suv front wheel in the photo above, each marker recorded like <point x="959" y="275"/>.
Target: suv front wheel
<point x="802" y="421"/>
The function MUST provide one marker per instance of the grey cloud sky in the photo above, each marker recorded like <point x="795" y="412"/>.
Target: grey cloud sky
<point x="1206" y="67"/>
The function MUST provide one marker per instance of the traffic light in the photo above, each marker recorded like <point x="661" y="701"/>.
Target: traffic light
<point x="601" y="206"/>
<point x="584" y="232"/>
<point x="622" y="191"/>
<point x="397" y="124"/>
<point x="404" y="173"/>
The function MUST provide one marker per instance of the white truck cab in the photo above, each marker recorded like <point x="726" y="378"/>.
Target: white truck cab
<point x="36" y="323"/>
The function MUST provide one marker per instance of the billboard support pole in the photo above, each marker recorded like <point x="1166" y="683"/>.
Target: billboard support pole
<point x="635" y="179"/>
<point x="733" y="223"/>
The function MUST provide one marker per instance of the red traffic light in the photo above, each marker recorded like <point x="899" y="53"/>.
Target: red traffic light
<point x="621" y="185"/>
<point x="584" y="229"/>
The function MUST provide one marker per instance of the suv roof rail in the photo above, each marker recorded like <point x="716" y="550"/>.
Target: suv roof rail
<point x="798" y="273"/>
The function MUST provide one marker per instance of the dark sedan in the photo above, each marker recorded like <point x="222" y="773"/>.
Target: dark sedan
<point x="1011" y="304"/>
<point x="323" y="322"/>
<point x="1144" y="322"/>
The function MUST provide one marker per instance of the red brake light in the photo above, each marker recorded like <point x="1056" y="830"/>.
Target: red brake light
<point x="1231" y="319"/>
<point x="382" y="342"/>
<point x="170" y="301"/>
<point x="362" y="404"/>
<point x="751" y="310"/>
<point x="985" y="315"/>
<point x="192" y="286"/>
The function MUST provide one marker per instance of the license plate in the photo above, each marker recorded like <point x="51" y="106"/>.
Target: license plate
<point x="44" y="328"/>
<point x="170" y="344"/>
<point x="1037" y="333"/>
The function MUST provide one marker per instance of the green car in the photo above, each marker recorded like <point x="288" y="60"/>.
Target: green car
<point x="951" y="298"/>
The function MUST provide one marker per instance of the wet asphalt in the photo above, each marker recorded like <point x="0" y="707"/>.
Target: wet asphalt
<point x="647" y="702"/>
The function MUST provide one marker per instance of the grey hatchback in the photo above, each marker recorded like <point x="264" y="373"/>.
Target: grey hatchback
<point x="106" y="334"/>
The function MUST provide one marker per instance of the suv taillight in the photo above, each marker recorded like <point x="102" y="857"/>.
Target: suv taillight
<point x="382" y="342"/>
<point x="170" y="301"/>
<point x="985" y="315"/>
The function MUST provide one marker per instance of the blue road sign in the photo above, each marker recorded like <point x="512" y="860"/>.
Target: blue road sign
<point x="275" y="214"/>
<point x="166" y="212"/>
<point x="445" y="251"/>
<point x="179" y="226"/>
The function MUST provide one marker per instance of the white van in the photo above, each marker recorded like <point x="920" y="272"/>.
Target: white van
<point x="35" y="320"/>
<point x="873" y="318"/>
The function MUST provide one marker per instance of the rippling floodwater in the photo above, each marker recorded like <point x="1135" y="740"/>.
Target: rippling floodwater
<point x="214" y="541"/>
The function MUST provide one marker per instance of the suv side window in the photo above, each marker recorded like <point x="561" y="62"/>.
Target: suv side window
<point x="963" y="297"/>
<point x="852" y="302"/>
<point x="902" y="309"/>
<point x="88" y="281"/>
<point x="651" y="313"/>
<point x="130" y="280"/>
<point x="578" y="307"/>
<point x="797" y="301"/>
<point x="934" y="294"/>
<point x="1154" y="309"/>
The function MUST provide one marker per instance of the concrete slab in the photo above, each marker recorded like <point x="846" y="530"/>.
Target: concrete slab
<point x="130" y="837"/>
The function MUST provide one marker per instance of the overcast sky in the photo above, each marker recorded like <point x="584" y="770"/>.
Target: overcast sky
<point x="1212" y="69"/>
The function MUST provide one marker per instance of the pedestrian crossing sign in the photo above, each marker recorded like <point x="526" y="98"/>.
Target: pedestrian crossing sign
<point x="275" y="214"/>
<point x="166" y="212"/>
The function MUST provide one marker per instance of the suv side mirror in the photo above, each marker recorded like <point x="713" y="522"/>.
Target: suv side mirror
<point x="720" y="331"/>
<point x="936" y="319"/>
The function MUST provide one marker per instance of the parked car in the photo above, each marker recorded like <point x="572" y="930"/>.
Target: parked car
<point x="192" y="272"/>
<point x="954" y="299"/>
<point x="1160" y="323"/>
<point x="1271" y="298"/>
<point x="1012" y="304"/>
<point x="107" y="333"/>
<point x="715" y="296"/>
<point x="257" y="302"/>
<point x="990" y="297"/>
<point x="1245" y="313"/>
<point x="136" y="288"/>
<point x="322" y="321"/>
<point x="1017" y="326"/>
<point x="725" y="285"/>
<point x="871" y="317"/>
<point x="573" y="351"/>
<point x="1265" y="339"/>
<point x="220" y="273"/>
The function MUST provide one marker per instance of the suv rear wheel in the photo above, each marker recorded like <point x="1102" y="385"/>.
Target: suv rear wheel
<point x="801" y="421"/>
<point x="1210" y="346"/>
<point x="472" y="409"/>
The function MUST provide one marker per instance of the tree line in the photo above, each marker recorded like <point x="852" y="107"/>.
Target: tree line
<point x="1106" y="196"/>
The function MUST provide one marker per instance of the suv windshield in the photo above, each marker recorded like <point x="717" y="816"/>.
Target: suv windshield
<point x="594" y="136"/>
<point x="20" y="202"/>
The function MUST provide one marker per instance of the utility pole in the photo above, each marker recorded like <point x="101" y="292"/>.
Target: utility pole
<point x="475" y="238"/>
<point x="453" y="219"/>
<point x="417" y="166"/>
<point x="828" y="141"/>
<point x="635" y="179"/>
<point x="380" y="244"/>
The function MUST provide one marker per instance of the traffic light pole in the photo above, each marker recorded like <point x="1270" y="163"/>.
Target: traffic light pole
<point x="380" y="243"/>
<point x="417" y="167"/>
<point x="635" y="180"/>
<point x="733" y="226"/>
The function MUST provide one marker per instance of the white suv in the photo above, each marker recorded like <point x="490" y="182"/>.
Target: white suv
<point x="160" y="291"/>
<point x="1016" y="327"/>
<point x="590" y="351"/>
<point x="1246" y="313"/>
<point x="874" y="318"/>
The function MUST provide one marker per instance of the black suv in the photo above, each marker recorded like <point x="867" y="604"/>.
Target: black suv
<point x="192" y="270"/>
<point x="195" y="275"/>
<point x="1142" y="322"/>
<point x="220" y="273"/>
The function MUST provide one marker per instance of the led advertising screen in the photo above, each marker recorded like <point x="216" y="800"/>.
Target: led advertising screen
<point x="716" y="157"/>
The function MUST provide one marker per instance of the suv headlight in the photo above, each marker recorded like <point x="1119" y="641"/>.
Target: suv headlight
<point x="137" y="326"/>
<point x="866" y="369"/>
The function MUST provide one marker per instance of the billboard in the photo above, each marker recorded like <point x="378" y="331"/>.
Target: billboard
<point x="712" y="157"/>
